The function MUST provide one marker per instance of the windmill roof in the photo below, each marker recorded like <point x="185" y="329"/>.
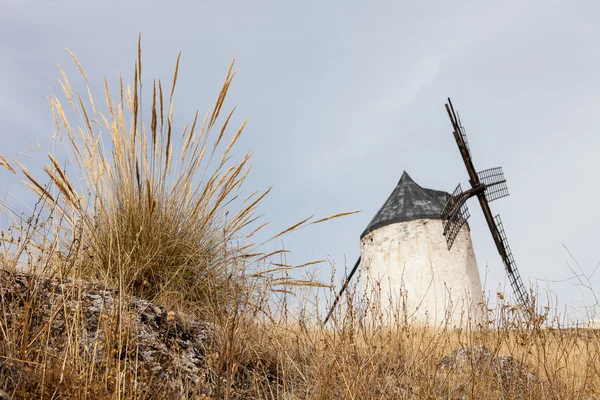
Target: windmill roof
<point x="408" y="202"/>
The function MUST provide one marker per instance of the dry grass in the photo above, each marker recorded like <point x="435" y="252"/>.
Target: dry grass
<point x="157" y="213"/>
<point x="257" y="357"/>
<point x="164" y="216"/>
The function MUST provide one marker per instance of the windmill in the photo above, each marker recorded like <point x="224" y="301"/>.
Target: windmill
<point x="416" y="229"/>
<point x="487" y="185"/>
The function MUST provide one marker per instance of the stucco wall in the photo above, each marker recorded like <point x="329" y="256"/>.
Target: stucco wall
<point x="408" y="268"/>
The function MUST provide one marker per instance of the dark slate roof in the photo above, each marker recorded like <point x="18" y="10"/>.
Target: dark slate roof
<point x="408" y="202"/>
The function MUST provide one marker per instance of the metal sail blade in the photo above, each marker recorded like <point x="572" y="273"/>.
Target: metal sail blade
<point x="495" y="183"/>
<point x="460" y="136"/>
<point x="463" y="134"/>
<point x="454" y="215"/>
<point x="509" y="262"/>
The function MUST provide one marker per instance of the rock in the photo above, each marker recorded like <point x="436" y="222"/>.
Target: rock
<point x="154" y="340"/>
<point x="465" y="356"/>
<point x="512" y="372"/>
<point x="473" y="369"/>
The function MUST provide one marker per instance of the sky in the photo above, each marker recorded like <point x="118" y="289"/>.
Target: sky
<point x="343" y="96"/>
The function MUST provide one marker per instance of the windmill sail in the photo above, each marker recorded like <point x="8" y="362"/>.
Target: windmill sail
<point x="509" y="262"/>
<point x="463" y="134"/>
<point x="495" y="183"/>
<point x="487" y="185"/>
<point x="454" y="215"/>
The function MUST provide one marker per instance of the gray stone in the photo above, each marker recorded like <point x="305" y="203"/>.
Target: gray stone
<point x="175" y="351"/>
<point x="509" y="374"/>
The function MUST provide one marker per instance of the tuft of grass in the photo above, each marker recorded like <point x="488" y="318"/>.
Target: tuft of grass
<point x="155" y="212"/>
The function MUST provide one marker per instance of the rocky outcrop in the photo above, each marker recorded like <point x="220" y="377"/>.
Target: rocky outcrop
<point x="459" y="371"/>
<point x="51" y="318"/>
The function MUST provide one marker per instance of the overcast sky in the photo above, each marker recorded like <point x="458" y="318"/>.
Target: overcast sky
<point x="342" y="96"/>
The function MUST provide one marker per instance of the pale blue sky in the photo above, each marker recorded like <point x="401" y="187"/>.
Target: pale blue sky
<point x="342" y="96"/>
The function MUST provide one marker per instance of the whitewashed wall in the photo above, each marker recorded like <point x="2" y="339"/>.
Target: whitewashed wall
<point x="408" y="267"/>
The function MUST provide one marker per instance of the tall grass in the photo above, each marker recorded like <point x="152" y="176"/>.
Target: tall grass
<point x="156" y="212"/>
<point x="258" y="353"/>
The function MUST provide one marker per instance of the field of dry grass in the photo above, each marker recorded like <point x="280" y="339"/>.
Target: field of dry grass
<point x="60" y="348"/>
<point x="136" y="275"/>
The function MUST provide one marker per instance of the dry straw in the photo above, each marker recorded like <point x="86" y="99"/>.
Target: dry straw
<point x="155" y="211"/>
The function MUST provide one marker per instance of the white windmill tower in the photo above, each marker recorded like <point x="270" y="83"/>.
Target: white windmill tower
<point x="407" y="267"/>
